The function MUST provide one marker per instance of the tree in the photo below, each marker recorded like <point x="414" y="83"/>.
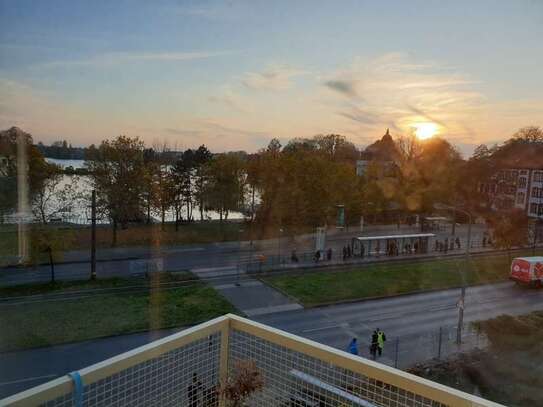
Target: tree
<point x="510" y="229"/>
<point x="38" y="169"/>
<point x="51" y="242"/>
<point x="245" y="380"/>
<point x="116" y="171"/>
<point x="201" y="158"/>
<point x="189" y="179"/>
<point x="163" y="197"/>
<point x="225" y="189"/>
<point x="529" y="134"/>
<point x="55" y="198"/>
<point x="302" y="184"/>
<point x="429" y="173"/>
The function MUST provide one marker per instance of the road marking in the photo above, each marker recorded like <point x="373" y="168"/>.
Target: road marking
<point x="270" y="310"/>
<point x="321" y="329"/>
<point x="29" y="379"/>
<point x="194" y="249"/>
<point x="396" y="315"/>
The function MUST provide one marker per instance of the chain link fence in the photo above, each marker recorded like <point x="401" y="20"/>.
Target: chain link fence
<point x="408" y="350"/>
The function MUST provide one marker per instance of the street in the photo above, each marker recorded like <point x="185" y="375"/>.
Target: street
<point x="126" y="262"/>
<point x="413" y="319"/>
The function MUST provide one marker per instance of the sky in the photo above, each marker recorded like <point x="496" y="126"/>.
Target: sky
<point x="234" y="74"/>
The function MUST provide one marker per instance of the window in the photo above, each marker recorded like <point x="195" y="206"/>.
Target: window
<point x="533" y="209"/>
<point x="520" y="198"/>
<point x="535" y="192"/>
<point x="522" y="182"/>
<point x="538" y="176"/>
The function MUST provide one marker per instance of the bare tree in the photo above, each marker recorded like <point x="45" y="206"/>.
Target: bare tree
<point x="55" y="198"/>
<point x="239" y="386"/>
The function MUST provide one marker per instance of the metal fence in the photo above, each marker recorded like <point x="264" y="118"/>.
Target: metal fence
<point x="185" y="369"/>
<point x="408" y="350"/>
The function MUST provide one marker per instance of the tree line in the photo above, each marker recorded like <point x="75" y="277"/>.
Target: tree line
<point x="294" y="187"/>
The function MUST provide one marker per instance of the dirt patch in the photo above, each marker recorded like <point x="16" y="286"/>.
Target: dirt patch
<point x="509" y="372"/>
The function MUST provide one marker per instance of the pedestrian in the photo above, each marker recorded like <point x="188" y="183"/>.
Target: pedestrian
<point x="381" y="338"/>
<point x="317" y="256"/>
<point x="329" y="254"/>
<point x="416" y="247"/>
<point x="353" y="347"/>
<point x="194" y="390"/>
<point x="294" y="256"/>
<point x="344" y="253"/>
<point x="458" y="243"/>
<point x="374" y="344"/>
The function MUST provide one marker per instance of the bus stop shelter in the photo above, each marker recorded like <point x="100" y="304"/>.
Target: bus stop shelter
<point x="391" y="245"/>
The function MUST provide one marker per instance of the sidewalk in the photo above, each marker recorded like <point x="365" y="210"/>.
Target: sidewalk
<point x="250" y="296"/>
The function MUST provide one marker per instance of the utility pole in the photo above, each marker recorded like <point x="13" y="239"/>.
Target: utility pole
<point x="460" y="306"/>
<point x="279" y="247"/>
<point x="461" y="301"/>
<point x="93" y="236"/>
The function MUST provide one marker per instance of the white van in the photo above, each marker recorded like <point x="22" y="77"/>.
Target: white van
<point x="527" y="270"/>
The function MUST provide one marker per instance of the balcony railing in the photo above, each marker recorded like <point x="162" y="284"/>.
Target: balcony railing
<point x="296" y="372"/>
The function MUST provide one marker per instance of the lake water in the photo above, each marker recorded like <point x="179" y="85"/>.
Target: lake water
<point x="66" y="163"/>
<point x="80" y="210"/>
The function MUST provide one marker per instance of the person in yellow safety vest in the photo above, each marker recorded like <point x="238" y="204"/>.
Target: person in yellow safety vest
<point x="381" y="338"/>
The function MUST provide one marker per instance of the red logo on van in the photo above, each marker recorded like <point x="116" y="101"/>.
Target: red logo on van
<point x="520" y="270"/>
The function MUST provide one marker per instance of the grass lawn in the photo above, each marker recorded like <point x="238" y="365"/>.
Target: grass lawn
<point x="387" y="279"/>
<point x="79" y="237"/>
<point x="55" y="322"/>
<point x="66" y="286"/>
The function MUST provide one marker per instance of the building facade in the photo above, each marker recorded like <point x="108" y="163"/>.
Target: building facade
<point x="520" y="188"/>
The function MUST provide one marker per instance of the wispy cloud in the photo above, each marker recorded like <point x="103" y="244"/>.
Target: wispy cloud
<point x="115" y="58"/>
<point x="274" y="78"/>
<point x="228" y="97"/>
<point x="345" y="86"/>
<point x="398" y="92"/>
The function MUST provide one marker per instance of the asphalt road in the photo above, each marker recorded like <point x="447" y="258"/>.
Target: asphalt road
<point x="125" y="262"/>
<point x="414" y="319"/>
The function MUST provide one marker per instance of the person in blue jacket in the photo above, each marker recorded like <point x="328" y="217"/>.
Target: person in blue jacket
<point x="353" y="347"/>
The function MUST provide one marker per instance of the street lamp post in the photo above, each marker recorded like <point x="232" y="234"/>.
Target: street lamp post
<point x="461" y="301"/>
<point x="239" y="255"/>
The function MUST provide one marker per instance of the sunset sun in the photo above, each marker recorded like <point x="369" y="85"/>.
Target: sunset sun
<point x="426" y="130"/>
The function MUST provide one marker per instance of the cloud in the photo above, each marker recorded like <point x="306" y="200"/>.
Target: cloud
<point x="274" y="79"/>
<point x="344" y="86"/>
<point x="399" y="92"/>
<point x="364" y="117"/>
<point x="116" y="58"/>
<point x="227" y="96"/>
